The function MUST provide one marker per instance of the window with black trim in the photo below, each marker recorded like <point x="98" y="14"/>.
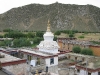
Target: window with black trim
<point x="21" y="55"/>
<point x="38" y="61"/>
<point x="29" y="57"/>
<point x="78" y="70"/>
<point x="98" y="73"/>
<point x="89" y="73"/>
<point x="51" y="61"/>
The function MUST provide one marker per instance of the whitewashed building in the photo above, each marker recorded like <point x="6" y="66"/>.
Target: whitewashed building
<point x="46" y="55"/>
<point x="89" y="67"/>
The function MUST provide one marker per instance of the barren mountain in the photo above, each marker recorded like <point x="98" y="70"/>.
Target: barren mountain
<point x="34" y="17"/>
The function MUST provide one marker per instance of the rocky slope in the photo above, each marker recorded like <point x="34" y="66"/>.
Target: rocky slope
<point x="34" y="17"/>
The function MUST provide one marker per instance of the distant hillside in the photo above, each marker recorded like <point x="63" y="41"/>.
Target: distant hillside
<point x="34" y="17"/>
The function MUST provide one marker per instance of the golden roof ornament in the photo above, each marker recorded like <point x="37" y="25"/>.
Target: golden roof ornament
<point x="48" y="26"/>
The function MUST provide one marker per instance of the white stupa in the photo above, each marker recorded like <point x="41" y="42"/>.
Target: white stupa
<point x="48" y="45"/>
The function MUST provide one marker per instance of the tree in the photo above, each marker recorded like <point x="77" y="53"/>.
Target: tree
<point x="87" y="51"/>
<point x="30" y="35"/>
<point x="21" y="42"/>
<point x="7" y="42"/>
<point x="37" y="40"/>
<point x="1" y="36"/>
<point x="71" y="35"/>
<point x="57" y="33"/>
<point x="16" y="43"/>
<point x="76" y="49"/>
<point x="84" y="51"/>
<point x="14" y="34"/>
<point x="7" y="30"/>
<point x="39" y="34"/>
<point x="55" y="38"/>
<point x="81" y="36"/>
<point x="2" y="43"/>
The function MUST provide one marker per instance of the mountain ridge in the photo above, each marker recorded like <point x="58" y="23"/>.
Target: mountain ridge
<point x="34" y="17"/>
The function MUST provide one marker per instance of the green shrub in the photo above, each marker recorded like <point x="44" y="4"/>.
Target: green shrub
<point x="39" y="34"/>
<point x="76" y="49"/>
<point x="55" y="38"/>
<point x="21" y="42"/>
<point x="71" y="35"/>
<point x="1" y="36"/>
<point x="87" y="51"/>
<point x="81" y="36"/>
<point x="37" y="40"/>
<point x="57" y="33"/>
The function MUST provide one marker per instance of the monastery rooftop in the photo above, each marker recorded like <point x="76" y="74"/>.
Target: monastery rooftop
<point x="8" y="58"/>
<point x="80" y="55"/>
<point x="92" y="65"/>
<point x="41" y="54"/>
<point x="35" y="52"/>
<point x="91" y="62"/>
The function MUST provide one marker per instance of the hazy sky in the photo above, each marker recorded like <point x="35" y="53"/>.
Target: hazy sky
<point x="6" y="5"/>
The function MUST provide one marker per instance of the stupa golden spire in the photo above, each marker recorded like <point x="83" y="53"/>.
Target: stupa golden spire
<point x="48" y="26"/>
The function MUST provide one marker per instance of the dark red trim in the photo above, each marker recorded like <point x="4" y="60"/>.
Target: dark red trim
<point x="64" y="52"/>
<point x="14" y="62"/>
<point x="4" y="51"/>
<point x="71" y="64"/>
<point x="88" y="69"/>
<point x="51" y="56"/>
<point x="43" y="57"/>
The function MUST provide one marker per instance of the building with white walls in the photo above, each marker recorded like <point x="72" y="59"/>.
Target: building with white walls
<point x="46" y="54"/>
<point x="48" y="45"/>
<point x="89" y="67"/>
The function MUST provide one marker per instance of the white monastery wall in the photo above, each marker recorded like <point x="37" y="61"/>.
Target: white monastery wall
<point x="48" y="62"/>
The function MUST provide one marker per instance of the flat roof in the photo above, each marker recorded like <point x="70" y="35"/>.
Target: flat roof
<point x="35" y="52"/>
<point x="38" y="53"/>
<point x="8" y="58"/>
<point x="92" y="62"/>
<point x="80" y="55"/>
<point x="3" y="73"/>
<point x="91" y="65"/>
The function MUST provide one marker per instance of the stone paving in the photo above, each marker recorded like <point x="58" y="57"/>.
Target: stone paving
<point x="63" y="68"/>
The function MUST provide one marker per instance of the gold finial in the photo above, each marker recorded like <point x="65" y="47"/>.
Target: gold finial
<point x="48" y="26"/>
<point x="36" y="72"/>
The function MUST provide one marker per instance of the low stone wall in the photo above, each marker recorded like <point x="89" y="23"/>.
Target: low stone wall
<point x="53" y="69"/>
<point x="38" y="67"/>
<point x="42" y="68"/>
